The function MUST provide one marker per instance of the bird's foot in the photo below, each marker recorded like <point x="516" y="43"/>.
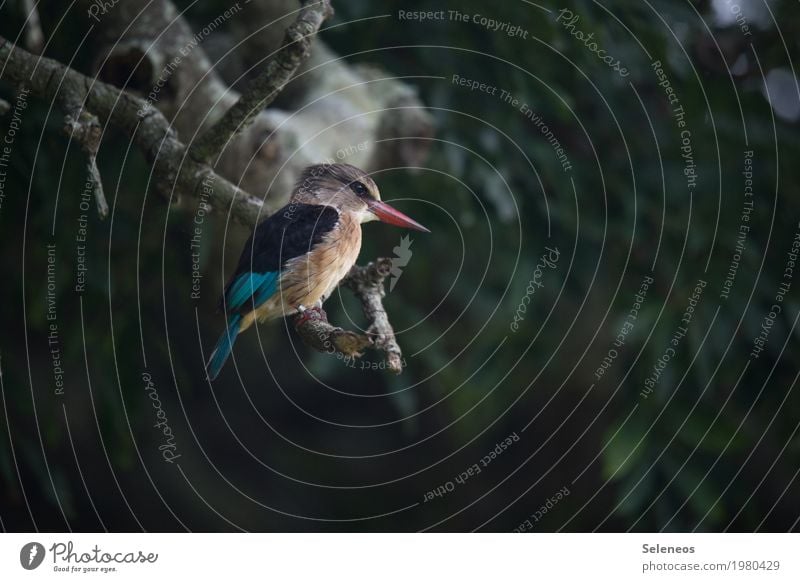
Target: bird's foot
<point x="308" y="313"/>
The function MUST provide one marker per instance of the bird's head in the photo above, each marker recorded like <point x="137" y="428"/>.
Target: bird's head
<point x="348" y="189"/>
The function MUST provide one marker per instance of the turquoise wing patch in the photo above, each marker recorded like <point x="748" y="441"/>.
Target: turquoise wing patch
<point x="259" y="286"/>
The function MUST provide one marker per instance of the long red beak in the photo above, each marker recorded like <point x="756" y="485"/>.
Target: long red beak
<point x="389" y="215"/>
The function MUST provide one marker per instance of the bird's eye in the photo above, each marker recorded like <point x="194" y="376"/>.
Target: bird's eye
<point x="359" y="189"/>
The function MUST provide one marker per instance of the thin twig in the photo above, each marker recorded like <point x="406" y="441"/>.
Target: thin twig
<point x="34" y="37"/>
<point x="263" y="89"/>
<point x="85" y="128"/>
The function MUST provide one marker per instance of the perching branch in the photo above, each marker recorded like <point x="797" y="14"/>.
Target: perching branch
<point x="318" y="333"/>
<point x="367" y="283"/>
<point x="175" y="173"/>
<point x="263" y="89"/>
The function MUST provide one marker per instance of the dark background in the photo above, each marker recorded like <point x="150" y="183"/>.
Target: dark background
<point x="298" y="441"/>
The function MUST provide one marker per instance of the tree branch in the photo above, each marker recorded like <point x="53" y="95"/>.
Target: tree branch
<point x="330" y="109"/>
<point x="151" y="132"/>
<point x="262" y="90"/>
<point x="367" y="283"/>
<point x="318" y="333"/>
<point x="87" y="103"/>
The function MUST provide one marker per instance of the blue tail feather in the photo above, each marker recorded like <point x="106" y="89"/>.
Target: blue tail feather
<point x="224" y="346"/>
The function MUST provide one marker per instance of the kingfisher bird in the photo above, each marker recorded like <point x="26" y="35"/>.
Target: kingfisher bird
<point x="296" y="257"/>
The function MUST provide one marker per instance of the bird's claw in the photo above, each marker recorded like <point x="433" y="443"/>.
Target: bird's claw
<point x="308" y="313"/>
